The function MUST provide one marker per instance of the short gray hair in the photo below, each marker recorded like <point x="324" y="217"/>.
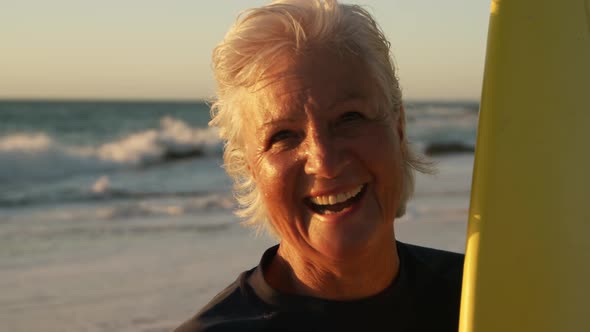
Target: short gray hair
<point x="261" y="35"/>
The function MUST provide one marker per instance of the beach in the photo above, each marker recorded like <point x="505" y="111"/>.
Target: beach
<point x="140" y="276"/>
<point x="141" y="244"/>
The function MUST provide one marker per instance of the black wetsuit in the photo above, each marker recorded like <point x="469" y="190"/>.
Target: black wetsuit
<point x="425" y="296"/>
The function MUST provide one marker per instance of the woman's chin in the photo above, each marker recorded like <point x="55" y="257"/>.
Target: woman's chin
<point x="348" y="232"/>
<point x="345" y="242"/>
<point x="341" y="248"/>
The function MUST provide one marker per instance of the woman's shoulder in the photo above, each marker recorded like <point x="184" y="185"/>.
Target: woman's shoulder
<point x="431" y="255"/>
<point x="236" y="308"/>
<point x="225" y="300"/>
<point x="437" y="263"/>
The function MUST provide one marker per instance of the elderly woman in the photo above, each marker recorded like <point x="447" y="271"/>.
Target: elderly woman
<point x="310" y="109"/>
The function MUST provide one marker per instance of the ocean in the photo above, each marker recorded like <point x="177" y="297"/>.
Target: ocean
<point x="117" y="215"/>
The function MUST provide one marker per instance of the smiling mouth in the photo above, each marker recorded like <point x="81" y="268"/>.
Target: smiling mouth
<point x="332" y="204"/>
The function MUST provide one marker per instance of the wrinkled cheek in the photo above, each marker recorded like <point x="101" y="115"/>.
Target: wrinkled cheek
<point x="279" y="194"/>
<point x="391" y="189"/>
<point x="396" y="191"/>
<point x="279" y="214"/>
<point x="395" y="197"/>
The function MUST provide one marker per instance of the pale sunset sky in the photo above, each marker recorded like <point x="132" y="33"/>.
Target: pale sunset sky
<point x="148" y="49"/>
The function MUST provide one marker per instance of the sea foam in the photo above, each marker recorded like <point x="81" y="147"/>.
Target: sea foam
<point x="29" y="157"/>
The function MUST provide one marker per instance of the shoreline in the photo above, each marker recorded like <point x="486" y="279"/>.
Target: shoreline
<point x="151" y="274"/>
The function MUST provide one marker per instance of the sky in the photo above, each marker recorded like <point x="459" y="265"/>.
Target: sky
<point x="157" y="49"/>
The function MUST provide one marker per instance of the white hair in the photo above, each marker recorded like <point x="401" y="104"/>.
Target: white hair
<point x="249" y="49"/>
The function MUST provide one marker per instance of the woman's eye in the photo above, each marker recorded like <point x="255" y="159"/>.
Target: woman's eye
<point x="351" y="116"/>
<point x="281" y="136"/>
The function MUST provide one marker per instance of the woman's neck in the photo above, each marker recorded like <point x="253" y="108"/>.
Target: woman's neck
<point x="366" y="274"/>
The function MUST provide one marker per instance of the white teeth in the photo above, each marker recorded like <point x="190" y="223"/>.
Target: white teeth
<point x="332" y="199"/>
<point x="337" y="198"/>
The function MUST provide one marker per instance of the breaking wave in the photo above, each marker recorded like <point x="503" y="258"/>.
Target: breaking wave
<point x="30" y="157"/>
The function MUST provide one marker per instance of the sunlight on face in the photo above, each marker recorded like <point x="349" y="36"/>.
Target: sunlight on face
<point x="326" y="159"/>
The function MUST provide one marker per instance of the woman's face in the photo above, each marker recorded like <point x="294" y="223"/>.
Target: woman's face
<point x="327" y="161"/>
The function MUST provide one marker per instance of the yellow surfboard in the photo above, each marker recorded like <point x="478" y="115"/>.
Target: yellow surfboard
<point x="527" y="264"/>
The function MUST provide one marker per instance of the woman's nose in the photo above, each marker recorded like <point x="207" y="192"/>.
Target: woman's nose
<point x="324" y="156"/>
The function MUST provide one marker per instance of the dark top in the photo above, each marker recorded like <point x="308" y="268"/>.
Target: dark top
<point x="425" y="296"/>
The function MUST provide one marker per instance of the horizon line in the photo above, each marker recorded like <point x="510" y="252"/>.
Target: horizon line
<point x="189" y="100"/>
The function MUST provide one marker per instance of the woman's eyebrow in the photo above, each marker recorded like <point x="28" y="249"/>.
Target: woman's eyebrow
<point x="352" y="101"/>
<point x="275" y="122"/>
